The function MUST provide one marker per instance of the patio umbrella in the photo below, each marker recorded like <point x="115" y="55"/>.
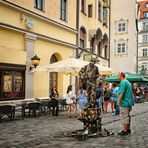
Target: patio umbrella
<point x="129" y="76"/>
<point x="70" y="66"/>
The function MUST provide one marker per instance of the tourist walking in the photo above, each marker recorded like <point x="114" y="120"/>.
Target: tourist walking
<point x="54" y="101"/>
<point x="82" y="102"/>
<point x="71" y="101"/>
<point x="125" y="101"/>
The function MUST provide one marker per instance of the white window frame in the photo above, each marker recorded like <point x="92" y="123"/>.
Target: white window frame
<point x="123" y="42"/>
<point x="145" y="64"/>
<point x="121" y="23"/>
<point x="145" y="25"/>
<point x="146" y="5"/>
<point x="146" y="14"/>
<point x="145" y="52"/>
<point x="145" y="38"/>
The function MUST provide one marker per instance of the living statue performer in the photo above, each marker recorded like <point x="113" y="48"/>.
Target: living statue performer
<point x="92" y="115"/>
<point x="88" y="75"/>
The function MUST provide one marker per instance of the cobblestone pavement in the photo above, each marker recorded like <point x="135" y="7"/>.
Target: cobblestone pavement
<point x="40" y="132"/>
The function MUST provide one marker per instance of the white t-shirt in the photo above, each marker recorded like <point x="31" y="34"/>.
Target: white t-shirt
<point x="69" y="99"/>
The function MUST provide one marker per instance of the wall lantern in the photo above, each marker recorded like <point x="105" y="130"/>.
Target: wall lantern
<point x="35" y="61"/>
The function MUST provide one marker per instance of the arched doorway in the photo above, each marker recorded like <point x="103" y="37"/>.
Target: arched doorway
<point x="53" y="76"/>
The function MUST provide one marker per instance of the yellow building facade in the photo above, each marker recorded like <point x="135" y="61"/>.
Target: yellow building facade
<point x="52" y="31"/>
<point x="26" y="31"/>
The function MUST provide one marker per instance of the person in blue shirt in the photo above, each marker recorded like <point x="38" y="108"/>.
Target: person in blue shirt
<point x="125" y="101"/>
<point x="115" y="96"/>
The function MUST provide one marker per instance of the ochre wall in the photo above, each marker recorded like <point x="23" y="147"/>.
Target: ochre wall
<point x="12" y="47"/>
<point x="41" y="79"/>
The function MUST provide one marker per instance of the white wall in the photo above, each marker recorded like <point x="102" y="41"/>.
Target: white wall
<point x="125" y="10"/>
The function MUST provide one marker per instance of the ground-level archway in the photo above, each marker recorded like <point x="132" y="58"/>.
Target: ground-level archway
<point x="53" y="76"/>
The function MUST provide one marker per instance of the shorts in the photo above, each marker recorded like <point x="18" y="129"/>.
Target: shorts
<point x="125" y="115"/>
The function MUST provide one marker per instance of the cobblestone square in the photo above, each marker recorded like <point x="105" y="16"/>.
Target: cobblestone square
<point x="40" y="132"/>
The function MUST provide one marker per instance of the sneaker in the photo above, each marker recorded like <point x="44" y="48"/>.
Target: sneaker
<point x="123" y="133"/>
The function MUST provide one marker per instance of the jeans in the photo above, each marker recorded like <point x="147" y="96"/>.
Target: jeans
<point x="99" y="103"/>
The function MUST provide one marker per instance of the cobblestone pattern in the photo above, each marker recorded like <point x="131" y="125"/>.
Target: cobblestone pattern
<point x="40" y="132"/>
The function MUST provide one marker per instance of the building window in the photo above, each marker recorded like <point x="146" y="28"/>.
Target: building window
<point x="90" y="10"/>
<point x="121" y="27"/>
<point x="53" y="76"/>
<point x="39" y="4"/>
<point x="145" y="52"/>
<point x="83" y="6"/>
<point x="145" y="26"/>
<point x="145" y="38"/>
<point x="106" y="51"/>
<point x="82" y="37"/>
<point x="99" y="10"/>
<point x="146" y="14"/>
<point x="64" y="10"/>
<point x="121" y="47"/>
<point x="145" y="65"/>
<point x="99" y="49"/>
<point x="146" y="5"/>
<point x="12" y="82"/>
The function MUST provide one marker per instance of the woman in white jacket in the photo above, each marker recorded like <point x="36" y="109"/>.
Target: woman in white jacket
<point x="71" y="101"/>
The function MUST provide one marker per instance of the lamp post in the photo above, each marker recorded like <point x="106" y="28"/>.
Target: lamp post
<point x="35" y="61"/>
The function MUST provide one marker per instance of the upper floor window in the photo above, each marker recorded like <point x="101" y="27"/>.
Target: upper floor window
<point x="146" y="5"/>
<point x="39" y="4"/>
<point x="146" y="14"/>
<point x="121" y="47"/>
<point x="145" y="26"/>
<point x="145" y="38"/>
<point x="82" y="37"/>
<point x="145" y="65"/>
<point x="145" y="52"/>
<point x="121" y="27"/>
<point x="99" y="10"/>
<point x="64" y="10"/>
<point x="90" y="10"/>
<point x="83" y="6"/>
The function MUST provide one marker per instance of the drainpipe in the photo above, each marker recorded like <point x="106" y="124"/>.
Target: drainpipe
<point x="77" y="40"/>
<point x="77" y="27"/>
<point x="109" y="32"/>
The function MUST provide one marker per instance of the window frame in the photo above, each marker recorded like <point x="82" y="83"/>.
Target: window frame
<point x="145" y="25"/>
<point x="90" y="11"/>
<point x="123" y="27"/>
<point x="145" y="38"/>
<point x="99" y="11"/>
<point x="146" y="14"/>
<point x="83" y="40"/>
<point x="42" y="5"/>
<point x="14" y="71"/>
<point x="146" y="5"/>
<point x="121" y="48"/>
<point x="65" y="9"/>
<point x="145" y="52"/>
<point x="83" y="7"/>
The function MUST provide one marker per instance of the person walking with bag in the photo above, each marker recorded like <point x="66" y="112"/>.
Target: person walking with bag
<point x="71" y="99"/>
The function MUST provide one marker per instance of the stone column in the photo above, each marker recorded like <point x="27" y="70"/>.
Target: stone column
<point x="29" y="47"/>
